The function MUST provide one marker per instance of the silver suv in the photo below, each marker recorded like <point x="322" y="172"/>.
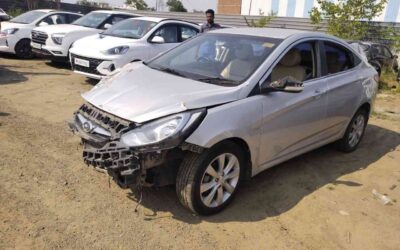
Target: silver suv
<point x="222" y="107"/>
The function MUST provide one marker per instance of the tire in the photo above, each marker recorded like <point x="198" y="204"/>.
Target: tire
<point x="354" y="132"/>
<point x="23" y="49"/>
<point x="194" y="174"/>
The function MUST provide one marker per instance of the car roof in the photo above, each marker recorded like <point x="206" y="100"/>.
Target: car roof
<point x="161" y="19"/>
<point x="116" y="12"/>
<point x="263" y="32"/>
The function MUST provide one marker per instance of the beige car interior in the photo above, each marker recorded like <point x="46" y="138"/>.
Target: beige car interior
<point x="289" y="65"/>
<point x="240" y="67"/>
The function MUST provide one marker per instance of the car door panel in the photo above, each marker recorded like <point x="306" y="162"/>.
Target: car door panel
<point x="297" y="121"/>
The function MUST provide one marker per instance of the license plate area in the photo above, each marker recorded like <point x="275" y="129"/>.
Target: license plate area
<point x="81" y="62"/>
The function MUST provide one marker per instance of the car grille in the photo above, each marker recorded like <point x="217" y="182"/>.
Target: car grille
<point x="39" y="37"/>
<point x="93" y="64"/>
<point x="115" y="125"/>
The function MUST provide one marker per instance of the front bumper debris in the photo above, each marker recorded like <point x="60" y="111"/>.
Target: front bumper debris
<point x="102" y="150"/>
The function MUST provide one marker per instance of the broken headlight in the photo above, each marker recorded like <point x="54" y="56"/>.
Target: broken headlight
<point x="169" y="130"/>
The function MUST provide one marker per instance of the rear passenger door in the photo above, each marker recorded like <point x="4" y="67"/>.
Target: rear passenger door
<point x="344" y="83"/>
<point x="293" y="122"/>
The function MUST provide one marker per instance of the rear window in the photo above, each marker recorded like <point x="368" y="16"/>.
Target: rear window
<point x="339" y="58"/>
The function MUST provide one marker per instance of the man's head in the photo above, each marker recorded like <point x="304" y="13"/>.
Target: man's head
<point x="210" y="16"/>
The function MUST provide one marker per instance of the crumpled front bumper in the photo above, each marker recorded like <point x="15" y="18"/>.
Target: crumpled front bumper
<point x="118" y="161"/>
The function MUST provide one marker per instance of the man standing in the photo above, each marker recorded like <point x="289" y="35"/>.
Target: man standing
<point x="210" y="25"/>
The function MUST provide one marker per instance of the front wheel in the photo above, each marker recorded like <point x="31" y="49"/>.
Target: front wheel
<point x="354" y="132"/>
<point x="206" y="183"/>
<point x="23" y="49"/>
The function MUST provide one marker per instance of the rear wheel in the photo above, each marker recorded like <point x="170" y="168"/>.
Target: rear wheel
<point x="23" y="49"/>
<point x="207" y="182"/>
<point x="354" y="132"/>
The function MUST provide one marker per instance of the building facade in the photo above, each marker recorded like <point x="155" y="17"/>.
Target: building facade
<point x="293" y="8"/>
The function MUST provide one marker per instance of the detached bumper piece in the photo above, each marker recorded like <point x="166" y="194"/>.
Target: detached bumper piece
<point x="119" y="162"/>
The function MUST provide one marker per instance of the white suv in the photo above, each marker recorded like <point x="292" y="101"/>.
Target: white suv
<point x="131" y="40"/>
<point x="15" y="34"/>
<point x="54" y="42"/>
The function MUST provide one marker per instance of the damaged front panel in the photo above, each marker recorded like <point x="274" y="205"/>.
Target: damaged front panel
<point x="100" y="133"/>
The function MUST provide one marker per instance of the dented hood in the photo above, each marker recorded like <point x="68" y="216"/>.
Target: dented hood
<point x="139" y="94"/>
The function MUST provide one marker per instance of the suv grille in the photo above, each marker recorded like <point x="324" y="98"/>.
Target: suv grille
<point x="93" y="64"/>
<point x="113" y="124"/>
<point x="39" y="37"/>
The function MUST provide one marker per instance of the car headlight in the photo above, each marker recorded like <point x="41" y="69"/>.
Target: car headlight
<point x="165" y="132"/>
<point x="10" y="31"/>
<point x="117" y="50"/>
<point x="58" y="38"/>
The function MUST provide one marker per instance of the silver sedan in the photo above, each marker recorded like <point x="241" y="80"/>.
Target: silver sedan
<point x="224" y="106"/>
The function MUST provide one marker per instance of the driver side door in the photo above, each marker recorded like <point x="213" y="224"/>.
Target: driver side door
<point x="294" y="122"/>
<point x="169" y="32"/>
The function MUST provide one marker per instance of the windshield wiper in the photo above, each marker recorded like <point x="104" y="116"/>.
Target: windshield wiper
<point x="171" y="71"/>
<point x="218" y="80"/>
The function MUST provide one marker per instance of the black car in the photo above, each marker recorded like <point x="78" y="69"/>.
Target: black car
<point x="378" y="55"/>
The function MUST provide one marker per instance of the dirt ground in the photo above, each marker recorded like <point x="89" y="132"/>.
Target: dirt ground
<point x="50" y="199"/>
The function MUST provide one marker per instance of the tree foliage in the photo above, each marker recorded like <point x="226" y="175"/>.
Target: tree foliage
<point x="32" y="4"/>
<point x="138" y="4"/>
<point x="176" y="6"/>
<point x="262" y="22"/>
<point x="348" y="19"/>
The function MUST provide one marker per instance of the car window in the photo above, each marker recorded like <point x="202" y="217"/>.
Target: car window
<point x="28" y="17"/>
<point x="114" y="19"/>
<point x="130" y="28"/>
<point x="338" y="58"/>
<point x="72" y="18"/>
<point x="168" y="32"/>
<point x="299" y="63"/>
<point x="54" y="19"/>
<point x="187" y="32"/>
<point x="222" y="59"/>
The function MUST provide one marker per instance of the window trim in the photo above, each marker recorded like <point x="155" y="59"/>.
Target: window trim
<point x="316" y="55"/>
<point x="356" y="66"/>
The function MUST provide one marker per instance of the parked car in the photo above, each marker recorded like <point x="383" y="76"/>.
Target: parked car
<point x="378" y="55"/>
<point x="206" y="123"/>
<point x="54" y="42"/>
<point x="15" y="36"/>
<point x="4" y="16"/>
<point x="130" y="40"/>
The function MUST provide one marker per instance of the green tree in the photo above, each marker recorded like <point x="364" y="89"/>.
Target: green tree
<point x="138" y="4"/>
<point x="348" y="19"/>
<point x="176" y="6"/>
<point x="262" y="22"/>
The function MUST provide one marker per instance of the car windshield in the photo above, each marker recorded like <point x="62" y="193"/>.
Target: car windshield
<point x="92" y="20"/>
<point x="130" y="28"/>
<point x="222" y="59"/>
<point x="28" y="17"/>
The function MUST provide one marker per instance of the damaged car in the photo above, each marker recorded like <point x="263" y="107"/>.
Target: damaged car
<point x="222" y="107"/>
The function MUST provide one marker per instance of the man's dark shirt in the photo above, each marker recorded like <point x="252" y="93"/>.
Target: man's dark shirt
<point x="205" y="27"/>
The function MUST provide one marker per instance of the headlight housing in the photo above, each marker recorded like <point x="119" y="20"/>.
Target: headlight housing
<point x="117" y="50"/>
<point x="11" y="31"/>
<point x="166" y="132"/>
<point x="58" y="38"/>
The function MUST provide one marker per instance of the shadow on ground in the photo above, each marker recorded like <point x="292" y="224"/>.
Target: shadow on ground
<point x="9" y="74"/>
<point x="280" y="188"/>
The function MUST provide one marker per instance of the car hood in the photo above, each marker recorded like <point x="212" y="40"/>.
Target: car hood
<point x="10" y="25"/>
<point x="139" y="94"/>
<point x="99" y="42"/>
<point x="62" y="28"/>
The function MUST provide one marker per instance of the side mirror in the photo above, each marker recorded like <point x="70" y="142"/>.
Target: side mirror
<point x="107" y="26"/>
<point x="158" y="39"/>
<point x="43" y="24"/>
<point x="286" y="84"/>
